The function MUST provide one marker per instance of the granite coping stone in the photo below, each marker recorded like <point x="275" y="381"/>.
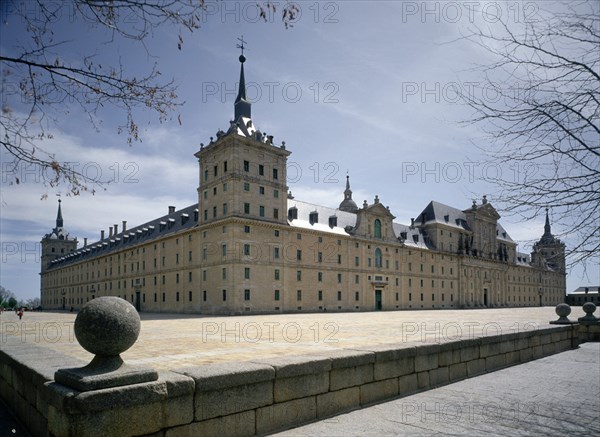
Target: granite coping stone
<point x="297" y="365"/>
<point x="428" y="349"/>
<point x="218" y="376"/>
<point x="349" y="358"/>
<point x="389" y="352"/>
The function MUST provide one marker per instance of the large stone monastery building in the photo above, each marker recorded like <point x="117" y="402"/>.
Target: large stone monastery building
<point x="249" y="246"/>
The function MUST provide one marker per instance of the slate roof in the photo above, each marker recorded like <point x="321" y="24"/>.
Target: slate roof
<point x="185" y="218"/>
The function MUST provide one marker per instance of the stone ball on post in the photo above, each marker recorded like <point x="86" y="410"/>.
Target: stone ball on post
<point x="107" y="326"/>
<point x="562" y="311"/>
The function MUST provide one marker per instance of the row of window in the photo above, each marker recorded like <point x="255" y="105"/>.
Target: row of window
<point x="246" y="167"/>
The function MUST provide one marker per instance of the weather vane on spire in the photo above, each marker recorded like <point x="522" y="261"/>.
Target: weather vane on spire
<point x="241" y="46"/>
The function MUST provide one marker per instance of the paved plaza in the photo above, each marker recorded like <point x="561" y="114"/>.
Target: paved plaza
<point x="170" y="341"/>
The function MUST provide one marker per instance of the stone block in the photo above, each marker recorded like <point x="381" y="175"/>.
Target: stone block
<point x="335" y="402"/>
<point x="378" y="391"/>
<point x="449" y="353"/>
<point x="392" y="369"/>
<point x="350" y="377"/>
<point x="423" y="380"/>
<point x="427" y="357"/>
<point x="290" y="366"/>
<point x="526" y="355"/>
<point x="513" y="358"/>
<point x="546" y="338"/>
<point x="209" y="404"/>
<point x="211" y="377"/>
<point x="285" y="415"/>
<point x="548" y="349"/>
<point x="538" y="352"/>
<point x="488" y="349"/>
<point x="438" y="376"/>
<point x="495" y="362"/>
<point x="234" y="425"/>
<point x="475" y="367"/>
<point x="457" y="372"/>
<point x="469" y="349"/>
<point x="300" y="386"/>
<point x="408" y="384"/>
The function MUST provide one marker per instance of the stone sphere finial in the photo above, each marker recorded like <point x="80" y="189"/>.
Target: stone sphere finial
<point x="107" y="326"/>
<point x="562" y="311"/>
<point x="588" y="308"/>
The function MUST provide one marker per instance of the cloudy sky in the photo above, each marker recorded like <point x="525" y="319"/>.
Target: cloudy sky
<point x="364" y="88"/>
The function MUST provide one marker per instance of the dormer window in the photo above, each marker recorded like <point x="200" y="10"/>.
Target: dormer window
<point x="313" y="217"/>
<point x="332" y="221"/>
<point x="293" y="213"/>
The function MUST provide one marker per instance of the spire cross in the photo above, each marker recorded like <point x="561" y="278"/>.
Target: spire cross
<point x="241" y="45"/>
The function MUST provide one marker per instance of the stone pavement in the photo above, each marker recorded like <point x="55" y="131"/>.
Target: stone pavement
<point x="170" y="341"/>
<point x="555" y="395"/>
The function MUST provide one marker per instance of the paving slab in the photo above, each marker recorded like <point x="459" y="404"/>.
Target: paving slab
<point x="555" y="395"/>
<point x="171" y="341"/>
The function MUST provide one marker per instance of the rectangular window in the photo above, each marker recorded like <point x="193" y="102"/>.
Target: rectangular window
<point x="223" y="250"/>
<point x="299" y="295"/>
<point x="320" y="276"/>
<point x="164" y="297"/>
<point x="246" y="249"/>
<point x="214" y="212"/>
<point x="339" y="295"/>
<point x="246" y="272"/>
<point x="224" y="295"/>
<point x="246" y="166"/>
<point x="276" y="252"/>
<point x="189" y="256"/>
<point x="276" y="295"/>
<point x="356" y="279"/>
<point x="225" y="167"/>
<point x="204" y="295"/>
<point x="246" y="294"/>
<point x="320" y="295"/>
<point x="339" y="276"/>
<point x="224" y="209"/>
<point x="299" y="275"/>
<point x="246" y="229"/>
<point x="215" y="170"/>
<point x="275" y="174"/>
<point x="275" y="213"/>
<point x="261" y="190"/>
<point x="299" y="255"/>
<point x="189" y="276"/>
<point x="261" y="170"/>
<point x="277" y="274"/>
<point x="356" y="261"/>
<point x="276" y="194"/>
<point x="246" y="208"/>
<point x="246" y="186"/>
<point x="261" y="211"/>
<point x="357" y="296"/>
<point x="177" y="296"/>
<point x="224" y="273"/>
<point x="320" y="257"/>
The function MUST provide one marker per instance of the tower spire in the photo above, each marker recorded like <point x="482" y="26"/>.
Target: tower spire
<point x="348" y="204"/>
<point x="547" y="229"/>
<point x="242" y="107"/>
<point x="59" y="218"/>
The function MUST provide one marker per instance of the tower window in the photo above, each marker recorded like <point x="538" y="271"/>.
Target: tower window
<point x="246" y="166"/>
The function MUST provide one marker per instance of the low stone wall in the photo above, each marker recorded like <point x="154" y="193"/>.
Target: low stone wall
<point x="259" y="397"/>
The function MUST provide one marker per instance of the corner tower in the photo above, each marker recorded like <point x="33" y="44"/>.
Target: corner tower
<point x="57" y="243"/>
<point x="242" y="171"/>
<point x="549" y="250"/>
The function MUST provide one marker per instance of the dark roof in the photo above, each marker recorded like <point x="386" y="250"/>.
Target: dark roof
<point x="185" y="218"/>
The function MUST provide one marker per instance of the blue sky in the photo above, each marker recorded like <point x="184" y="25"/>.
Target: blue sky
<point x="357" y="87"/>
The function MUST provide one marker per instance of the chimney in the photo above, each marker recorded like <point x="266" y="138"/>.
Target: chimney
<point x="102" y="234"/>
<point x="171" y="209"/>
<point x="110" y="229"/>
<point x="85" y="242"/>
<point x="412" y="222"/>
<point x="124" y="225"/>
<point x="116" y="231"/>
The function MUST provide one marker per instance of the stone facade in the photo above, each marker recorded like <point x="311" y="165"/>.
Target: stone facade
<point x="248" y="246"/>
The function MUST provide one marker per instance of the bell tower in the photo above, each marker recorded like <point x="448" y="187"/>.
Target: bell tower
<point x="242" y="172"/>
<point x="549" y="250"/>
<point x="57" y="243"/>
